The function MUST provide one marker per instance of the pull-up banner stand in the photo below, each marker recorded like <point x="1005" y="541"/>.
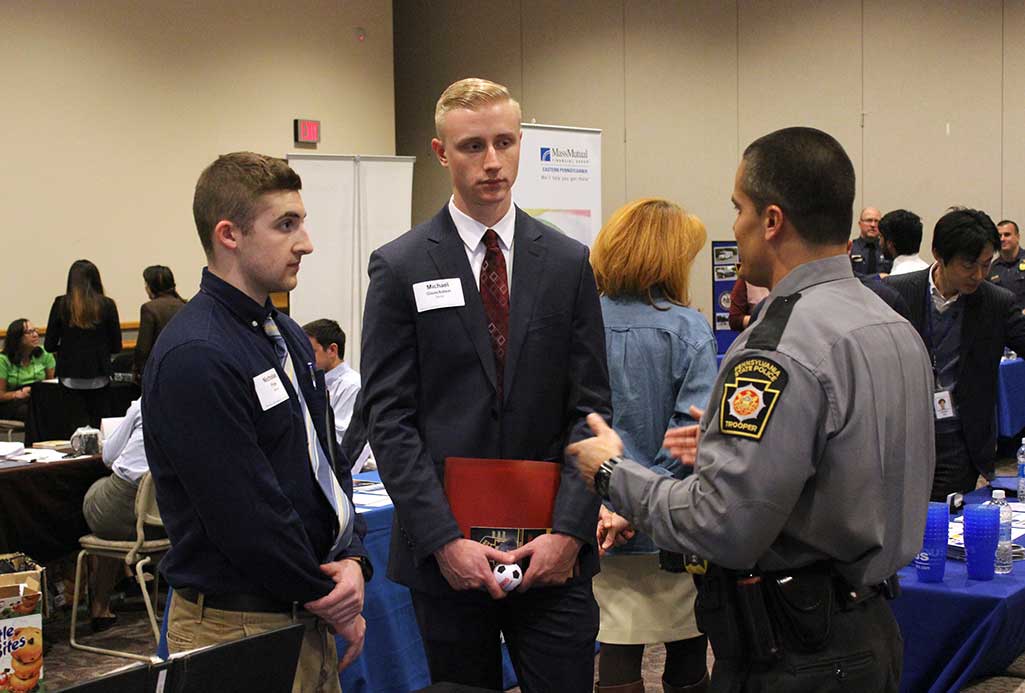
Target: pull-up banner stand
<point x="560" y="179"/>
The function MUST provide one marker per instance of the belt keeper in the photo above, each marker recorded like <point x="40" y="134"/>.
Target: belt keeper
<point x="199" y="603"/>
<point x="295" y="612"/>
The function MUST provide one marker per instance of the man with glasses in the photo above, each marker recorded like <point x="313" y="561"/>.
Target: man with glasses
<point x="965" y="323"/>
<point x="867" y="257"/>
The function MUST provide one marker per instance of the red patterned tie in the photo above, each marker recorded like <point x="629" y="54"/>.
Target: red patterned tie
<point x="494" y="292"/>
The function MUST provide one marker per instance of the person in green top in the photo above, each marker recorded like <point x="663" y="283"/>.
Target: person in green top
<point x="22" y="363"/>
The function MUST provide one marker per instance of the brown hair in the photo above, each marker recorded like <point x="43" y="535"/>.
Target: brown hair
<point x="83" y="302"/>
<point x="471" y="93"/>
<point x="648" y="246"/>
<point x="229" y="188"/>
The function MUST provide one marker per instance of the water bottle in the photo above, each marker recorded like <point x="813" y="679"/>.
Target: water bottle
<point x="1021" y="472"/>
<point x="1004" y="560"/>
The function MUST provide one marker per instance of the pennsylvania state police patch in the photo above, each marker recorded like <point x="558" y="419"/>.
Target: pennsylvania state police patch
<point x="750" y="393"/>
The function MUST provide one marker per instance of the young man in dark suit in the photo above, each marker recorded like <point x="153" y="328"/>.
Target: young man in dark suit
<point x="483" y="337"/>
<point x="965" y="323"/>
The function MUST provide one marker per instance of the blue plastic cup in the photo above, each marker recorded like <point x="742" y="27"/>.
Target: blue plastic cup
<point x="981" y="533"/>
<point x="931" y="561"/>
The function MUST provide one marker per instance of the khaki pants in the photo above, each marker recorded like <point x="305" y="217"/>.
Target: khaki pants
<point x="189" y="627"/>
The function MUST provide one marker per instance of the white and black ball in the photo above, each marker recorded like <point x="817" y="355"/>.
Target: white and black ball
<point x="508" y="575"/>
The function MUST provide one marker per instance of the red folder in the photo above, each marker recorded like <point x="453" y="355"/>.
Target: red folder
<point x="501" y="493"/>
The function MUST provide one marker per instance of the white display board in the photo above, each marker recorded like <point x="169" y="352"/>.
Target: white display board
<point x="354" y="204"/>
<point x="560" y="178"/>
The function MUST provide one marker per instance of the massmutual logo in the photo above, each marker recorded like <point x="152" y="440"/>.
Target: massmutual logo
<point x="565" y="155"/>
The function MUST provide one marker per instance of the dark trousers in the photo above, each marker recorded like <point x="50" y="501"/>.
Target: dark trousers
<point x="550" y="633"/>
<point x="865" y="653"/>
<point x="954" y="469"/>
<point x="15" y="410"/>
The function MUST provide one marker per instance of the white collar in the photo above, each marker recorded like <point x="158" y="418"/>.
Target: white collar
<point x="941" y="303"/>
<point x="472" y="231"/>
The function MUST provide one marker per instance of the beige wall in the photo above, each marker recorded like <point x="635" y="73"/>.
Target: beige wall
<point x="680" y="88"/>
<point x="113" y="107"/>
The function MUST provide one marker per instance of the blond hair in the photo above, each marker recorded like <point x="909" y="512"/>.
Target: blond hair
<point x="647" y="247"/>
<point x="471" y="93"/>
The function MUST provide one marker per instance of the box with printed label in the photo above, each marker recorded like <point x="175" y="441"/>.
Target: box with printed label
<point x="21" y="634"/>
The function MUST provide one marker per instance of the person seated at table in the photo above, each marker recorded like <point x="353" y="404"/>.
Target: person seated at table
<point x="22" y="363"/>
<point x="109" y="509"/>
<point x="84" y="330"/>
<point x="341" y="380"/>
<point x="154" y="315"/>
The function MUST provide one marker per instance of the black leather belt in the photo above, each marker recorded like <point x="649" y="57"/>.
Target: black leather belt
<point x="235" y="602"/>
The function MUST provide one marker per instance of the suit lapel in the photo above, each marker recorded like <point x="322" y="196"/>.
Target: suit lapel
<point x="970" y="319"/>
<point x="446" y="250"/>
<point x="528" y="268"/>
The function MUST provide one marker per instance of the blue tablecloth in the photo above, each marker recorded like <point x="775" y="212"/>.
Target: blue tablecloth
<point x="960" y="629"/>
<point x="393" y="659"/>
<point x="1011" y="398"/>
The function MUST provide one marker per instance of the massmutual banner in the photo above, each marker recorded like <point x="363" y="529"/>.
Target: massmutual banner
<point x="560" y="179"/>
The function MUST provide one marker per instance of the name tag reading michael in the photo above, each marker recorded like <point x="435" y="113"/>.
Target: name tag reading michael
<point x="269" y="389"/>
<point x="438" y="293"/>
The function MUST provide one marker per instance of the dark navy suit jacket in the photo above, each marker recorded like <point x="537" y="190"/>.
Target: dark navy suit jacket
<point x="429" y="382"/>
<point x="990" y="321"/>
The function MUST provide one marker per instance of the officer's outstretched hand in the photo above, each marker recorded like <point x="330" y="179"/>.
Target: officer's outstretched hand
<point x="682" y="442"/>
<point x="588" y="454"/>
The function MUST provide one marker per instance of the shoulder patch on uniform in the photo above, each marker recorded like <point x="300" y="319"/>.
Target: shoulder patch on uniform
<point x="750" y="392"/>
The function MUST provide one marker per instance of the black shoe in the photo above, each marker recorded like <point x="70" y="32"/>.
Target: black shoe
<point x="102" y="623"/>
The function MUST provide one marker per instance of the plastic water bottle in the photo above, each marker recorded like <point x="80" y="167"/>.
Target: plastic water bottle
<point x="1004" y="560"/>
<point x="1021" y="472"/>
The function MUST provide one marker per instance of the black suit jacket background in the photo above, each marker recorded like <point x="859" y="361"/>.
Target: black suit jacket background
<point x="429" y="381"/>
<point x="990" y="322"/>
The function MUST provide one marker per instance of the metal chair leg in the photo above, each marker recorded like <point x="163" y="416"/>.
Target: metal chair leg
<point x="101" y="650"/>
<point x="74" y="599"/>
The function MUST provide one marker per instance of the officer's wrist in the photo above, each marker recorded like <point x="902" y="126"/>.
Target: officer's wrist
<point x="603" y="476"/>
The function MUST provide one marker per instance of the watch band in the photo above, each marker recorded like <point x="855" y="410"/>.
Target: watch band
<point x="603" y="476"/>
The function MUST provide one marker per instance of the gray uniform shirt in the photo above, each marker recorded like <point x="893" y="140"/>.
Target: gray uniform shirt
<point x="817" y="442"/>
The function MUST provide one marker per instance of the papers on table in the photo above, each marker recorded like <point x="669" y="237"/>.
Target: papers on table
<point x="955" y="534"/>
<point x="369" y="494"/>
<point x="9" y="449"/>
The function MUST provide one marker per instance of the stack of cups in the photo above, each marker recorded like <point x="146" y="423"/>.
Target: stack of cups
<point x="932" y="559"/>
<point x="981" y="533"/>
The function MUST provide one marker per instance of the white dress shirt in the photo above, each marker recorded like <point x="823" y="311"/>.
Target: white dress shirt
<point x="472" y="233"/>
<point x="343" y="384"/>
<point x="123" y="449"/>
<point x="941" y="304"/>
<point x="902" y="264"/>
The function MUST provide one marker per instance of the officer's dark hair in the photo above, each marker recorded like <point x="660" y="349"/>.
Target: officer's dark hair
<point x="1012" y="223"/>
<point x="327" y="332"/>
<point x="963" y="232"/>
<point x="807" y="174"/>
<point x="903" y="229"/>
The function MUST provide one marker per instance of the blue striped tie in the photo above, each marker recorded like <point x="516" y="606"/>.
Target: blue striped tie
<point x="322" y="471"/>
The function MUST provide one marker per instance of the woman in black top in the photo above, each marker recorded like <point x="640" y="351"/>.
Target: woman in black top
<point x="154" y="315"/>
<point x="84" y="331"/>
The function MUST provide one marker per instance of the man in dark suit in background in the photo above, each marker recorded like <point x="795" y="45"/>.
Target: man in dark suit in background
<point x="483" y="337"/>
<point x="965" y="323"/>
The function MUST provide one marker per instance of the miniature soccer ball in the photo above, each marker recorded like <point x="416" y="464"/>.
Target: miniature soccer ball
<point x="509" y="576"/>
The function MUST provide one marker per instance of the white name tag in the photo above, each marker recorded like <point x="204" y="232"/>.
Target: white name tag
<point x="943" y="404"/>
<point x="438" y="293"/>
<point x="269" y="389"/>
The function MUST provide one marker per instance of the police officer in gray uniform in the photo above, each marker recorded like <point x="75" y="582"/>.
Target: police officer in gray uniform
<point x="814" y="457"/>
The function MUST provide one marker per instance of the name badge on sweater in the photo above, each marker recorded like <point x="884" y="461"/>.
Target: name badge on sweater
<point x="438" y="293"/>
<point x="269" y="389"/>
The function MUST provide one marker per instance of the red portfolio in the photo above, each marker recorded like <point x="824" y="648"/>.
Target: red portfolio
<point x="501" y="493"/>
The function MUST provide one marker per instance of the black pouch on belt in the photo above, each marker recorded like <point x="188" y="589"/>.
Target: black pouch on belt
<point x="761" y="636"/>
<point x="804" y="603"/>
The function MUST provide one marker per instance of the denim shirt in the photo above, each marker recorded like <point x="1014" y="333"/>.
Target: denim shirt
<point x="660" y="363"/>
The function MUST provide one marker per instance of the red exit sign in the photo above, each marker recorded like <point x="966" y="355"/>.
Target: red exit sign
<point x="306" y="130"/>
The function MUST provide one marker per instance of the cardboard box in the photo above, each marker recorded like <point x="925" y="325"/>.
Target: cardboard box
<point x="21" y="633"/>
<point x="25" y="566"/>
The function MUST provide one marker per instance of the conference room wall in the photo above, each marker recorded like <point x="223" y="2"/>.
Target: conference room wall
<point x="679" y="88"/>
<point x="113" y="107"/>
